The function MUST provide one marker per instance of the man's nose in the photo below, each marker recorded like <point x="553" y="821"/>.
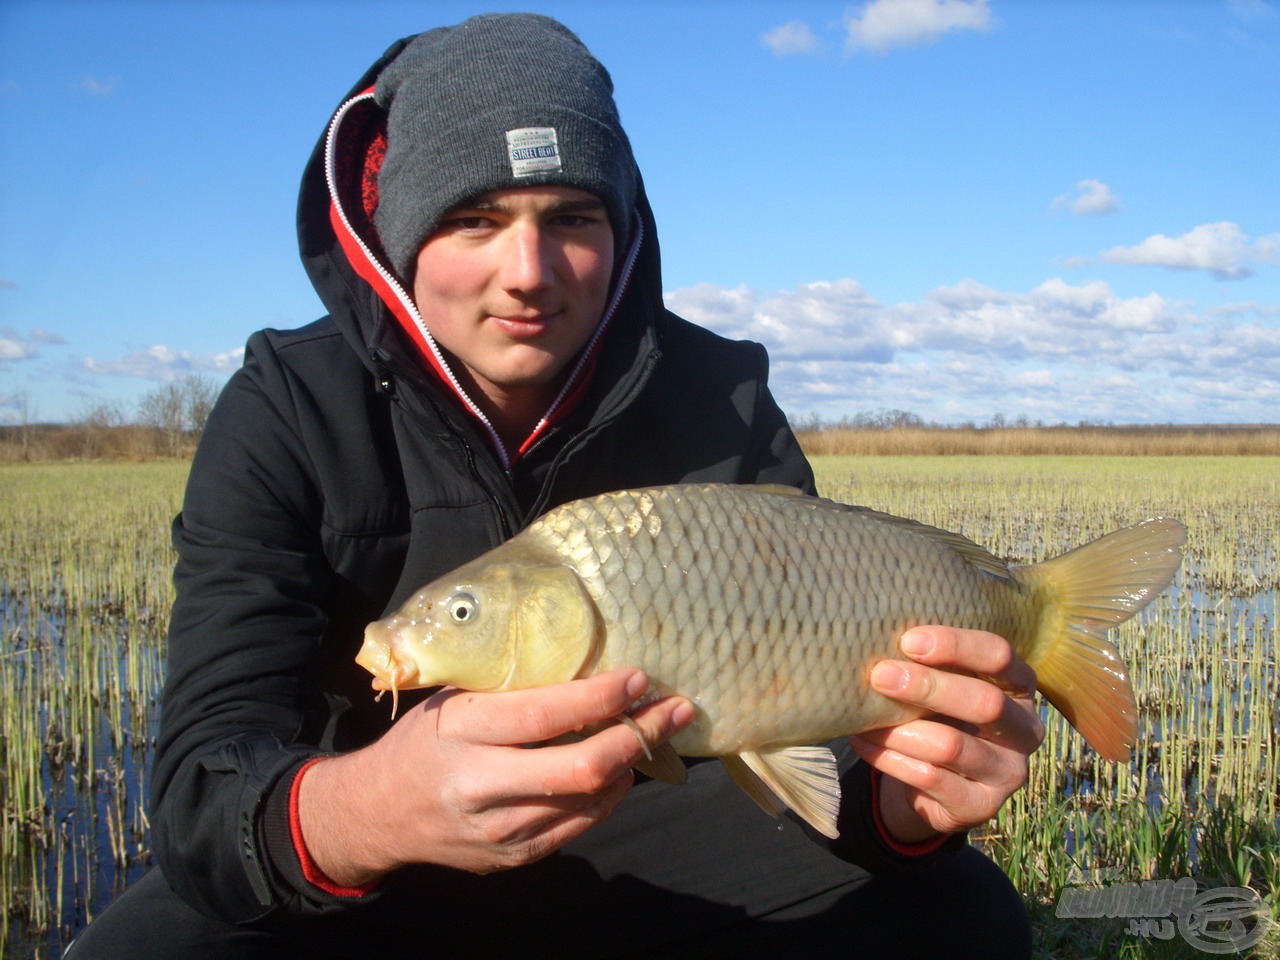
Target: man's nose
<point x="527" y="264"/>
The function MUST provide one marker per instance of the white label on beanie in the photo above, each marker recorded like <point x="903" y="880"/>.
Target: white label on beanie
<point x="533" y="150"/>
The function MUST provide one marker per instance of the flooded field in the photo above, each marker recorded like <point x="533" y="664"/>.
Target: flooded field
<point x="1200" y="797"/>
<point x="85" y="566"/>
<point x="84" y="593"/>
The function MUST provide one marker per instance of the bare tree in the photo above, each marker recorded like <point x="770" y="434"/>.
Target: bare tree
<point x="97" y="420"/>
<point x="198" y="395"/>
<point x="161" y="410"/>
<point x="177" y="412"/>
<point x="24" y="415"/>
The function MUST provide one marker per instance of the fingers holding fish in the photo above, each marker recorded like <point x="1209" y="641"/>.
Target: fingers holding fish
<point x="589" y="766"/>
<point x="533" y="716"/>
<point x="954" y="768"/>
<point x="919" y="800"/>
<point x="925" y="752"/>
<point x="971" y="651"/>
<point x="517" y="806"/>
<point x="452" y="782"/>
<point x="970" y="677"/>
<point x="544" y="798"/>
<point x="921" y="797"/>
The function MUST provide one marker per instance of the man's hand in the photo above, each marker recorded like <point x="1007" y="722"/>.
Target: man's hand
<point x="453" y="783"/>
<point x="954" y="768"/>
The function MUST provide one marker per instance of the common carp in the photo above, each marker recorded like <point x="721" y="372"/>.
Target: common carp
<point x="767" y="609"/>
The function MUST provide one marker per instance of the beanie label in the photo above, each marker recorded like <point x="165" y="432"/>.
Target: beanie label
<point x="533" y="150"/>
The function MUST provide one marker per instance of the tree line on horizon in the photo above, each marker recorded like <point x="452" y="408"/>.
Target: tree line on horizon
<point x="902" y="433"/>
<point x="166" y="423"/>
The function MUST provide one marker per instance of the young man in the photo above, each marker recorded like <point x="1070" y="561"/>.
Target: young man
<point x="497" y="345"/>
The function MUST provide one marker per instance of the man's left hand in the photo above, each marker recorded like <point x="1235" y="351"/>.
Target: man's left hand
<point x="954" y="768"/>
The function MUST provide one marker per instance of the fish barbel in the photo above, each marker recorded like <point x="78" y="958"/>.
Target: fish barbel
<point x="767" y="609"/>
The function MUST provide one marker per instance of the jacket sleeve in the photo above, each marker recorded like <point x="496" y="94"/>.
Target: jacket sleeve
<point x="244" y="643"/>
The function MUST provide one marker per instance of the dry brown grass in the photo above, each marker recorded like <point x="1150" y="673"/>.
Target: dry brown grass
<point x="43" y="443"/>
<point x="1164" y="441"/>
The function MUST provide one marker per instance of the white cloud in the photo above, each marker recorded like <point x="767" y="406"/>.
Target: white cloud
<point x="14" y="346"/>
<point x="165" y="364"/>
<point x="40" y="335"/>
<point x="1246" y="307"/>
<point x="1058" y="352"/>
<point x="1222" y="249"/>
<point x="1092" y="198"/>
<point x="883" y="24"/>
<point x="97" y="86"/>
<point x="1251" y="10"/>
<point x="791" y="39"/>
<point x="11" y="348"/>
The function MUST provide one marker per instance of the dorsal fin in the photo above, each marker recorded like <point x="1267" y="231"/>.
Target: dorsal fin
<point x="976" y="555"/>
<point x="777" y="489"/>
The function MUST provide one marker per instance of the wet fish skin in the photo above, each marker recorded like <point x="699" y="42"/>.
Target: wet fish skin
<point x="767" y="609"/>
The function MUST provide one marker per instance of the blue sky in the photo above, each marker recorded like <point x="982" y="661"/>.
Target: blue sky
<point x="1064" y="210"/>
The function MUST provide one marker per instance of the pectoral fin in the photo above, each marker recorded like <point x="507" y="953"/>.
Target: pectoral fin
<point x="663" y="763"/>
<point x="800" y="778"/>
<point x="660" y="762"/>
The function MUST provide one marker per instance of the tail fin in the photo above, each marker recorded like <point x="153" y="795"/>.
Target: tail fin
<point x="1083" y="593"/>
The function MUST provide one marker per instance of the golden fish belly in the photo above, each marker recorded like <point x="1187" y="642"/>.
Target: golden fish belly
<point x="767" y="610"/>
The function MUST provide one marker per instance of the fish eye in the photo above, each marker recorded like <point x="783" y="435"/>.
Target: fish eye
<point x="463" y="607"/>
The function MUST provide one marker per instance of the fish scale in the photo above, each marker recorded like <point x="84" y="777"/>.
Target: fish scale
<point x="767" y="609"/>
<point x="798" y="567"/>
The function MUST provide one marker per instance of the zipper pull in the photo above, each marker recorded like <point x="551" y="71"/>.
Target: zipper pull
<point x="386" y="380"/>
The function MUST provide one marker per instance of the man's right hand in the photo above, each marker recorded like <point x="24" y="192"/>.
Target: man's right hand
<point x="453" y="783"/>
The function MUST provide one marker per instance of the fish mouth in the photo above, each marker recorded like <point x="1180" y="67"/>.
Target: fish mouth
<point x="378" y="657"/>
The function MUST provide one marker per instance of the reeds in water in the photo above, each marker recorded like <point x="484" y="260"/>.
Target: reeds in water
<point x="1200" y="797"/>
<point x="85" y="567"/>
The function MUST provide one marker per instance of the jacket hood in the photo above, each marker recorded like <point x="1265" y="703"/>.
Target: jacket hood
<point x="373" y="308"/>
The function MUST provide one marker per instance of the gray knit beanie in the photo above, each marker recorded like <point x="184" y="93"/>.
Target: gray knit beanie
<point x="499" y="101"/>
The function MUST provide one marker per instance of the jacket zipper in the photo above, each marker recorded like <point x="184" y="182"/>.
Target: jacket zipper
<point x="577" y="441"/>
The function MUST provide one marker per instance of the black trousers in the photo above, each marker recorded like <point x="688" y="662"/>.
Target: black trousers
<point x="963" y="906"/>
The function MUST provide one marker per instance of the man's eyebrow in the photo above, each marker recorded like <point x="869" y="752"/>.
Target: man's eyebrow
<point x="487" y="204"/>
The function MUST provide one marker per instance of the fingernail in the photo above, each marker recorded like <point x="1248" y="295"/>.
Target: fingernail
<point x="916" y="643"/>
<point x="888" y="677"/>
<point x="636" y="685"/>
<point x="683" y="714"/>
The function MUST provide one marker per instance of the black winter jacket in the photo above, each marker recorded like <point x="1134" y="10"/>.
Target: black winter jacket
<point x="335" y="477"/>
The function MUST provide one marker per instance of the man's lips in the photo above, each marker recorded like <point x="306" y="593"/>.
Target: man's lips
<point x="524" y="326"/>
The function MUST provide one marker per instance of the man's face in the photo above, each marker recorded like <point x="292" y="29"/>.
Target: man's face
<point x="513" y="284"/>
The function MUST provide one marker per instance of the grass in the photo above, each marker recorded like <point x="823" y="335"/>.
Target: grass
<point x="84" y="592"/>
